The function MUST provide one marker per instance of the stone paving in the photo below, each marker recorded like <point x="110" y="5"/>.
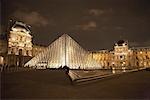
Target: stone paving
<point x="55" y="84"/>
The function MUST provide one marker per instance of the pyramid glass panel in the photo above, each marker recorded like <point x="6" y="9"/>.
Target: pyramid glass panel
<point x="64" y="51"/>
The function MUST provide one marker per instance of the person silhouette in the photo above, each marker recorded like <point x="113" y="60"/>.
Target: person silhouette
<point x="66" y="68"/>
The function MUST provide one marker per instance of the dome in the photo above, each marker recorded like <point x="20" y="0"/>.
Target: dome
<point x="121" y="42"/>
<point x="21" y="27"/>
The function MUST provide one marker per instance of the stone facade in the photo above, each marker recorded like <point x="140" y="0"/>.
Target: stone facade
<point x="37" y="49"/>
<point x="17" y="47"/>
<point x="123" y="57"/>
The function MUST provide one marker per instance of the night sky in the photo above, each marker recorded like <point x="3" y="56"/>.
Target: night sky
<point x="95" y="24"/>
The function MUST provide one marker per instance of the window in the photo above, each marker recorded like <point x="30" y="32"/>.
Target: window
<point x="121" y="56"/>
<point x="28" y="53"/>
<point x="20" y="51"/>
<point x="12" y="51"/>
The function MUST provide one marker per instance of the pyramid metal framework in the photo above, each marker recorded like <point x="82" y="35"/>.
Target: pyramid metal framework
<point x="64" y="51"/>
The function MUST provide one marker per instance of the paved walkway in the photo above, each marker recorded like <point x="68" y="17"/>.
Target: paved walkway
<point x="55" y="84"/>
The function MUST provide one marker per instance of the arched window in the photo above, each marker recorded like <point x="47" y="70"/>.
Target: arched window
<point x="12" y="51"/>
<point x="20" y="51"/>
<point x="28" y="53"/>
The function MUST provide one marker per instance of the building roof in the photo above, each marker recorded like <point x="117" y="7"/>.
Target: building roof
<point x="121" y="42"/>
<point x="21" y="27"/>
<point x="139" y="48"/>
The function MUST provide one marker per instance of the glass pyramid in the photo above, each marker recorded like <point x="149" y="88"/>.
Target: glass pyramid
<point x="64" y="51"/>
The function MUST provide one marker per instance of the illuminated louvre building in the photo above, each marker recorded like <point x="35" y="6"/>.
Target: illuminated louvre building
<point x="141" y="56"/>
<point x="19" y="44"/>
<point x="17" y="47"/>
<point x="3" y="48"/>
<point x="36" y="49"/>
<point x="123" y="57"/>
<point x="65" y="51"/>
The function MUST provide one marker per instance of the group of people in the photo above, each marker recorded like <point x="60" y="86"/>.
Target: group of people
<point x="3" y="67"/>
<point x="66" y="68"/>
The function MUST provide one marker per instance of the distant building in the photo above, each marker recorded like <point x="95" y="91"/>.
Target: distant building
<point x="123" y="57"/>
<point x="20" y="40"/>
<point x="17" y="47"/>
<point x="37" y="49"/>
<point x="64" y="51"/>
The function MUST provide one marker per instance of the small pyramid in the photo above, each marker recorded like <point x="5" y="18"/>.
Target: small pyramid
<point x="64" y="51"/>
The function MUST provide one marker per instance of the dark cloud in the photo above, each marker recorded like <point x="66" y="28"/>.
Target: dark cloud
<point x="96" y="24"/>
<point x="134" y="44"/>
<point x="139" y="44"/>
<point x="96" y="12"/>
<point x="33" y="18"/>
<point x="91" y="25"/>
<point x="119" y="28"/>
<point x="99" y="12"/>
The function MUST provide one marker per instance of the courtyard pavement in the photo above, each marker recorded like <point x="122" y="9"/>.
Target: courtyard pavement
<point x="55" y="84"/>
